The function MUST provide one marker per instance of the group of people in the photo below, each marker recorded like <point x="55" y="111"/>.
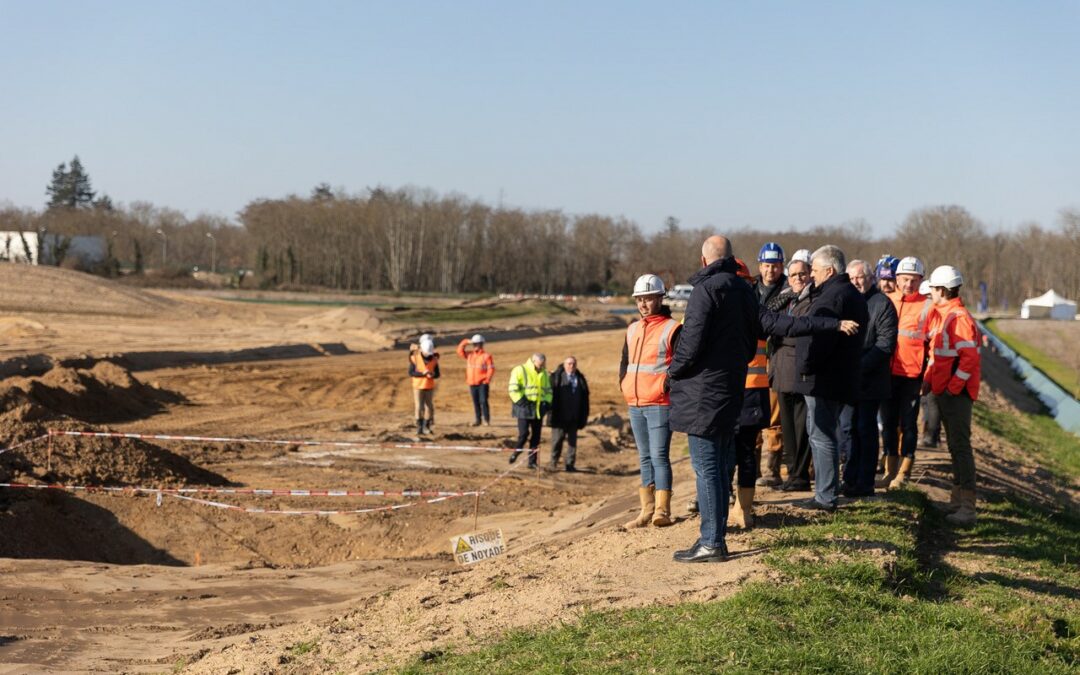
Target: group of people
<point x="561" y="397"/>
<point x="813" y="361"/>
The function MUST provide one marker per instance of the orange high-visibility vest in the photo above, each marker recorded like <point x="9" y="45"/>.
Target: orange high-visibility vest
<point x="648" y="343"/>
<point x="955" y="364"/>
<point x="757" y="376"/>
<point x="912" y="335"/>
<point x="423" y="382"/>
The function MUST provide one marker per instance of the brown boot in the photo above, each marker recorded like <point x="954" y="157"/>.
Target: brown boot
<point x="892" y="465"/>
<point x="903" y="474"/>
<point x="744" y="508"/>
<point x="662" y="517"/>
<point x="648" y="505"/>
<point x="965" y="515"/>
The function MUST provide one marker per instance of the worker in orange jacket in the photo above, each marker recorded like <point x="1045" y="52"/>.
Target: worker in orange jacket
<point x="953" y="376"/>
<point x="479" y="369"/>
<point x="424" y="370"/>
<point x="900" y="413"/>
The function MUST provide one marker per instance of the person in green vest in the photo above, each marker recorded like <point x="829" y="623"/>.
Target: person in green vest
<point x="530" y="393"/>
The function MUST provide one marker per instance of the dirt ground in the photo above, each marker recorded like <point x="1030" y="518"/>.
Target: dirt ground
<point x="114" y="582"/>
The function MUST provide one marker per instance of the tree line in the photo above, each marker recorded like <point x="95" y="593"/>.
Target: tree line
<point x="415" y="240"/>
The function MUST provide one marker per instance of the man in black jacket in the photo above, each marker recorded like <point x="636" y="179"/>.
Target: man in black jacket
<point x="569" y="411"/>
<point x="878" y="348"/>
<point x="707" y="376"/>
<point x="826" y="370"/>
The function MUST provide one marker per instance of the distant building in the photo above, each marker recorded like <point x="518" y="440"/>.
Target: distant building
<point x="52" y="249"/>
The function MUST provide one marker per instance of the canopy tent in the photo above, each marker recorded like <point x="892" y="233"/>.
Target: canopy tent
<point x="1049" y="305"/>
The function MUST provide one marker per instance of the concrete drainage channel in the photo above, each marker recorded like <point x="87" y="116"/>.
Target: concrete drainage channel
<point x="1062" y="406"/>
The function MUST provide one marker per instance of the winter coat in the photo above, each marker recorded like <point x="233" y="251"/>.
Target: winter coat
<point x="878" y="348"/>
<point x="782" y="373"/>
<point x="718" y="340"/>
<point x="569" y="405"/>
<point x="826" y="363"/>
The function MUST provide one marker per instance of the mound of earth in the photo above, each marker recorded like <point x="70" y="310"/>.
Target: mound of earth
<point x="104" y="393"/>
<point x="351" y="321"/>
<point x="37" y="288"/>
<point x="21" y="327"/>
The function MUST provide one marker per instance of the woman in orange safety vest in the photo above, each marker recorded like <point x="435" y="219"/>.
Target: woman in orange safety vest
<point x="424" y="370"/>
<point x="647" y="353"/>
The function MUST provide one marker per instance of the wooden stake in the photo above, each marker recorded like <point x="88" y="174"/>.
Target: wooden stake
<point x="476" y="512"/>
<point x="48" y="456"/>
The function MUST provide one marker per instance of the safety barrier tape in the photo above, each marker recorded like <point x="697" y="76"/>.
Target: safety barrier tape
<point x="24" y="443"/>
<point x="293" y="512"/>
<point x="267" y="441"/>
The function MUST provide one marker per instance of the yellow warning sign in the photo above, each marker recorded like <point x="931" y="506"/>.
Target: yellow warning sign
<point x="470" y="548"/>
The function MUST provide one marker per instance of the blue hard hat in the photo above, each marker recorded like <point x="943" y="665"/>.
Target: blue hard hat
<point x="771" y="252"/>
<point x="886" y="267"/>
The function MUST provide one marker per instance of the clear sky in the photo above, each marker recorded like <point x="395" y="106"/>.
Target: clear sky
<point x="770" y="114"/>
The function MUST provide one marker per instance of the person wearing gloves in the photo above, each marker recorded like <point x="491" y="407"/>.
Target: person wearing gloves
<point x="424" y="370"/>
<point x="479" y="370"/>
<point x="953" y="376"/>
<point x="530" y="394"/>
<point x="646" y="356"/>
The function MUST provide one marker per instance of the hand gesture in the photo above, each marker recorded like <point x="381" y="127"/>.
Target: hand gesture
<point x="848" y="327"/>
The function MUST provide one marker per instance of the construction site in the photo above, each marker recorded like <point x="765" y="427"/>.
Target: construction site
<point x="202" y="481"/>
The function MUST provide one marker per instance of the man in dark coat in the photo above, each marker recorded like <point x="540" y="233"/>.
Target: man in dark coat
<point x="826" y="370"/>
<point x="878" y="347"/>
<point x="569" y="411"/>
<point x="708" y="376"/>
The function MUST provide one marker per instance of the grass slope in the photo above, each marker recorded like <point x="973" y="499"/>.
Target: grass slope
<point x="883" y="586"/>
<point x="1066" y="377"/>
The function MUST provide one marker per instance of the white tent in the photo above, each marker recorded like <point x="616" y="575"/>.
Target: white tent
<point x="1049" y="305"/>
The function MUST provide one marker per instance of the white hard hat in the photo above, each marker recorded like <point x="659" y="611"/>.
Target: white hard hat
<point x="648" y="284"/>
<point x="802" y="255"/>
<point x="427" y="345"/>
<point x="477" y="339"/>
<point x="924" y="288"/>
<point x="947" y="276"/>
<point x="911" y="265"/>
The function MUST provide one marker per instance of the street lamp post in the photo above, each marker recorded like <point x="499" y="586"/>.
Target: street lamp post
<point x="213" y="253"/>
<point x="164" y="248"/>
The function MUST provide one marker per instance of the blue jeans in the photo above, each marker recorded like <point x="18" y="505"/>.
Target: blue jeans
<point x="823" y="424"/>
<point x="652" y="436"/>
<point x="713" y="458"/>
<point x="479" y="393"/>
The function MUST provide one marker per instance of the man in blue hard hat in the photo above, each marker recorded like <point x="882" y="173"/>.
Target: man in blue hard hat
<point x="769" y="282"/>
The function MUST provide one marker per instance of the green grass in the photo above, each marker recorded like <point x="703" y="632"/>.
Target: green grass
<point x="863" y="591"/>
<point x="313" y="302"/>
<point x="1066" y="377"/>
<point x="301" y="648"/>
<point x="1038" y="436"/>
<point x="475" y="314"/>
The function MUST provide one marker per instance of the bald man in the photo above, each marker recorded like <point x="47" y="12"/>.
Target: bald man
<point x="708" y="376"/>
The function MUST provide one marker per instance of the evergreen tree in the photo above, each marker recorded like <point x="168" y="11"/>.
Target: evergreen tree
<point x="70" y="188"/>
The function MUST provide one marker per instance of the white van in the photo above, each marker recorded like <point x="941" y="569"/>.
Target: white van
<point x="678" y="295"/>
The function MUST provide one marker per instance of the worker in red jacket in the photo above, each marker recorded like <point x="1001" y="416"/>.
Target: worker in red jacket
<point x="953" y="376"/>
<point x="479" y="370"/>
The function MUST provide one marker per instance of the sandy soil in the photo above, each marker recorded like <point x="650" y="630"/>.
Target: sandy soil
<point x="100" y="582"/>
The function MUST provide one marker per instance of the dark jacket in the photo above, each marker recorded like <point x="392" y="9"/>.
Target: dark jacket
<point x="778" y="325"/>
<point x="826" y="363"/>
<point x="782" y="373"/>
<point x="719" y="337"/>
<point x="766" y="294"/>
<point x="569" y="405"/>
<point x="879" y="347"/>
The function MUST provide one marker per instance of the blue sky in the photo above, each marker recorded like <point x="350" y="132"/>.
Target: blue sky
<point x="769" y="114"/>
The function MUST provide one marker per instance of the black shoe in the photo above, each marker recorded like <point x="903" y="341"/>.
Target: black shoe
<point x="691" y="506"/>
<point x="570" y="468"/>
<point x="701" y="553"/>
<point x="514" y="455"/>
<point x="532" y="465"/>
<point x="795" y="486"/>
<point x="813" y="504"/>
<point x="767" y="481"/>
<point x="852" y="492"/>
<point x="475" y="424"/>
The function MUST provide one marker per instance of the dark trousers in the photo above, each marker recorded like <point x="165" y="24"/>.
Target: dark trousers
<point x="796" y="439"/>
<point x="956" y="416"/>
<point x="747" y="456"/>
<point x="479" y="394"/>
<point x="862" y="463"/>
<point x="931" y="429"/>
<point x="900" y="417"/>
<point x="557" y="437"/>
<point x="529" y="430"/>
